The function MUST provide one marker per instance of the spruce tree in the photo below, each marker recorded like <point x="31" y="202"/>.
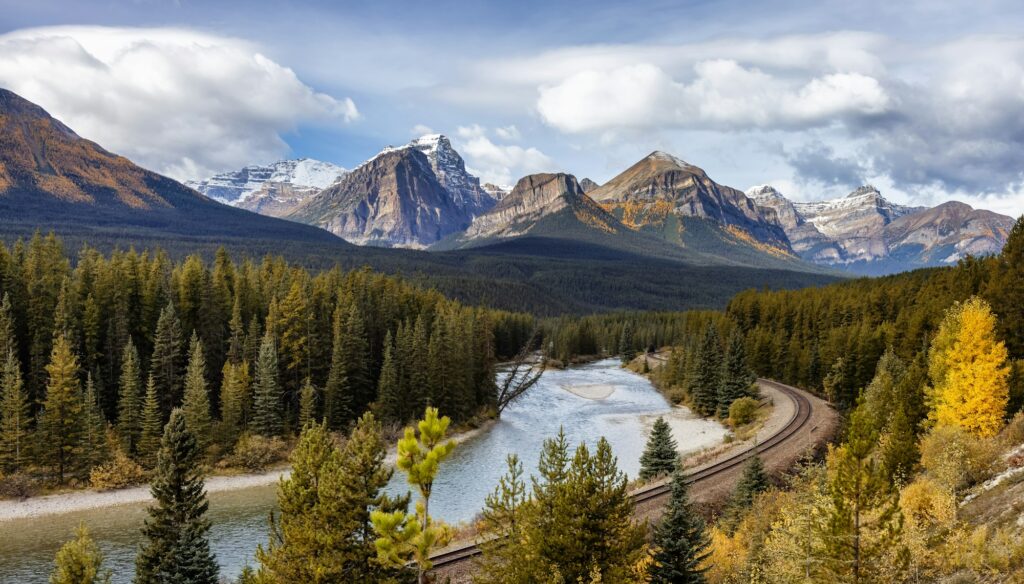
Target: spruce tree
<point x="1005" y="291"/>
<point x="196" y="403"/>
<point x="660" y="457"/>
<point x="60" y="425"/>
<point x="737" y="378"/>
<point x="681" y="541"/>
<point x="176" y="548"/>
<point x="356" y="359"/>
<point x="165" y="365"/>
<point x="94" y="446"/>
<point x="307" y="404"/>
<point x="389" y="400"/>
<point x="80" y="561"/>
<point x="708" y="375"/>
<point x="266" y="415"/>
<point x="235" y="400"/>
<point x="753" y="482"/>
<point x="627" y="352"/>
<point x="337" y="392"/>
<point x="152" y="425"/>
<point x="14" y="416"/>
<point x="236" y="330"/>
<point x="129" y="403"/>
<point x="8" y="342"/>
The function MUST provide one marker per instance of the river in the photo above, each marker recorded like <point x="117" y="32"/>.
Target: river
<point x="239" y="518"/>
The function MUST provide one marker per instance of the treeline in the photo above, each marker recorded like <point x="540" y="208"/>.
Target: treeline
<point x="120" y="340"/>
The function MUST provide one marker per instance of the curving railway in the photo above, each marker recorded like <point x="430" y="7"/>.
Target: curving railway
<point x="797" y="428"/>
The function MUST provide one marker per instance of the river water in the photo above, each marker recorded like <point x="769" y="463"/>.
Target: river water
<point x="239" y="518"/>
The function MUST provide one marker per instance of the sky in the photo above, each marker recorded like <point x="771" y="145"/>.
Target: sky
<point x="923" y="99"/>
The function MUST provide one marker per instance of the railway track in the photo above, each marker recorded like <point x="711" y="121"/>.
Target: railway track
<point x="799" y="419"/>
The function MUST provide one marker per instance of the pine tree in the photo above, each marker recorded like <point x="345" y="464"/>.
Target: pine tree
<point x="708" y="374"/>
<point x="403" y="537"/>
<point x="1005" y="291"/>
<point x="129" y="403"/>
<point x="389" y="400"/>
<point x="660" y="457"/>
<point x="60" y="425"/>
<point x="266" y="415"/>
<point x="681" y="541"/>
<point x="176" y="548"/>
<point x="863" y="520"/>
<point x="737" y="378"/>
<point x="14" y="416"/>
<point x="196" y="403"/>
<point x="165" y="364"/>
<point x="152" y="425"/>
<point x="627" y="352"/>
<point x="307" y="404"/>
<point x="356" y="359"/>
<point x="80" y="561"/>
<point x="236" y="329"/>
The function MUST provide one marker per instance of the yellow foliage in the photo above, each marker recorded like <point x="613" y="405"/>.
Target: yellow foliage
<point x="748" y="239"/>
<point x="729" y="556"/>
<point x="968" y="369"/>
<point x="929" y="513"/>
<point x="955" y="458"/>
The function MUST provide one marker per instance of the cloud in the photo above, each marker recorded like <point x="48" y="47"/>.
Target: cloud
<point x="183" y="103"/>
<point x="723" y="95"/>
<point x="501" y="164"/>
<point x="818" y="163"/>
<point x="421" y="130"/>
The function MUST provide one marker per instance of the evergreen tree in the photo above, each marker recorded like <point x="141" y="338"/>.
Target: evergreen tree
<point x="627" y="352"/>
<point x="165" y="365"/>
<point x="176" y="548"/>
<point x="94" y="446"/>
<point x="1005" y="291"/>
<point x="129" y="403"/>
<point x="403" y="537"/>
<point x="152" y="425"/>
<point x="660" y="457"/>
<point x="235" y="400"/>
<point x="60" y="425"/>
<point x="389" y="400"/>
<point x="753" y="482"/>
<point x="737" y="378"/>
<point x="196" y="403"/>
<point x="8" y="342"/>
<point x="14" y="416"/>
<point x="80" y="561"/>
<point x="337" y="392"/>
<point x="266" y="414"/>
<point x="236" y="330"/>
<point x="307" y="404"/>
<point x="356" y="361"/>
<point x="680" y="539"/>
<point x="708" y="375"/>
<point x="863" y="520"/>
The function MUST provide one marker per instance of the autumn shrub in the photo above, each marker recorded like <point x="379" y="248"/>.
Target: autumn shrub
<point x="742" y="411"/>
<point x="956" y="458"/>
<point x="18" y="486"/>
<point x="255" y="453"/>
<point x="117" y="473"/>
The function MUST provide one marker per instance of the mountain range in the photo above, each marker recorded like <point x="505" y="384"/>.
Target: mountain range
<point x="865" y="233"/>
<point x="274" y="189"/>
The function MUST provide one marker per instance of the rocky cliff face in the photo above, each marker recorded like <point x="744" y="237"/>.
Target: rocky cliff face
<point x="393" y="200"/>
<point x="659" y="191"/>
<point x="536" y="197"/>
<point x="869" y="234"/>
<point x="588" y="185"/>
<point x="450" y="170"/>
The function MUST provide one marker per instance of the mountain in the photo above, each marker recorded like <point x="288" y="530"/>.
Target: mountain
<point x="52" y="179"/>
<point x="803" y="235"/>
<point x="677" y="201"/>
<point x="274" y="189"/>
<point x="408" y="196"/>
<point x="865" y="233"/>
<point x="588" y="185"/>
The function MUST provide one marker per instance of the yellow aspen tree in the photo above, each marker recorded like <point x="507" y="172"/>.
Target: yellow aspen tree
<point x="968" y="368"/>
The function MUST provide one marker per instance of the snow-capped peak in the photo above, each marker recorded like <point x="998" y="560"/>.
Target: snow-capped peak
<point x="764" y="193"/>
<point x="666" y="157"/>
<point x="235" y="187"/>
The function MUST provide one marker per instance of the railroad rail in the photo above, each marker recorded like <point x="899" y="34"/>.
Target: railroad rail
<point x="800" y="417"/>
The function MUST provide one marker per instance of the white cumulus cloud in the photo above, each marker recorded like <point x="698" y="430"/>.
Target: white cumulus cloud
<point x="497" y="163"/>
<point x="181" y="102"/>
